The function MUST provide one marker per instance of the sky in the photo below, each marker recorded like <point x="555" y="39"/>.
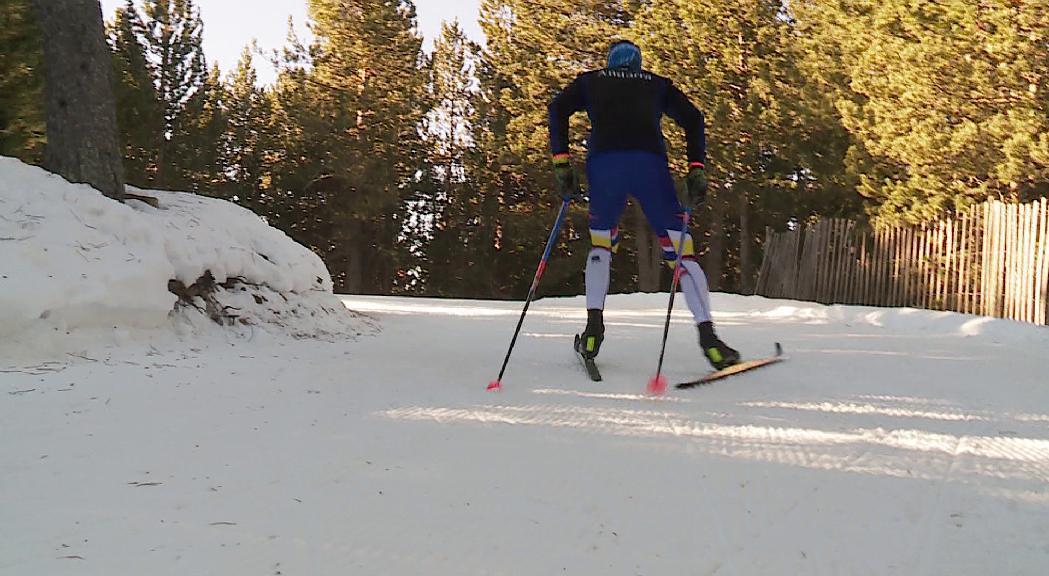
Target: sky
<point x="229" y="25"/>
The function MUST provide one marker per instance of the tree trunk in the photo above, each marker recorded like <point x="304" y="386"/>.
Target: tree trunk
<point x="82" y="141"/>
<point x="649" y="254"/>
<point x="715" y="256"/>
<point x="746" y="277"/>
<point x="355" y="240"/>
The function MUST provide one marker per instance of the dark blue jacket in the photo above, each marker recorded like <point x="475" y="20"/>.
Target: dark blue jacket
<point x="625" y="109"/>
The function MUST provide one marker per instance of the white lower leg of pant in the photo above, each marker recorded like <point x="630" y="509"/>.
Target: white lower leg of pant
<point x="598" y="272"/>
<point x="697" y="294"/>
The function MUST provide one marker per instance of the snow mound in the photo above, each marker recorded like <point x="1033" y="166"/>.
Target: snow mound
<point x="74" y="262"/>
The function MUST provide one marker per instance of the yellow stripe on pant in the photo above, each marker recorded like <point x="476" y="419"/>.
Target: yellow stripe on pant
<point x="670" y="244"/>
<point x="607" y="239"/>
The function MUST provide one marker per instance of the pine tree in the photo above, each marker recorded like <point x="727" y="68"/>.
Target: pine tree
<point x="453" y="247"/>
<point x="170" y="106"/>
<point x="946" y="102"/>
<point x="196" y="138"/>
<point x="496" y="261"/>
<point x="21" y="83"/>
<point x="438" y="224"/>
<point x="174" y="44"/>
<point x="350" y="109"/>
<point x="452" y="95"/>
<point x="139" y="112"/>
<point x="246" y="142"/>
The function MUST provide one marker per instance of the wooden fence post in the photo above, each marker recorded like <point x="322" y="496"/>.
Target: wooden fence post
<point x="1043" y="280"/>
<point x="985" y="260"/>
<point x="963" y="279"/>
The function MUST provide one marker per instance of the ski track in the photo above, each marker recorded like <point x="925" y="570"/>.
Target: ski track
<point x="869" y="451"/>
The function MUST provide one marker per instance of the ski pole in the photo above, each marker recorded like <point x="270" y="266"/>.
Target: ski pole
<point x="658" y="384"/>
<point x="497" y="383"/>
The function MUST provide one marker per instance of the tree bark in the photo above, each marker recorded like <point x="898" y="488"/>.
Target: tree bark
<point x="716" y="253"/>
<point x="649" y="254"/>
<point x="82" y="142"/>
<point x="746" y="243"/>
<point x="355" y="257"/>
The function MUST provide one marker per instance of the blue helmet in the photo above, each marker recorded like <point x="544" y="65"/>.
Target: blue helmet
<point x="624" y="54"/>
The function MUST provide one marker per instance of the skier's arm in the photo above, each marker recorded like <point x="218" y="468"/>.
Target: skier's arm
<point x="691" y="119"/>
<point x="567" y="102"/>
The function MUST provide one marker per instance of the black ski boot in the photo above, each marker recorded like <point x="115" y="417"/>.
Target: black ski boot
<point x="588" y="344"/>
<point x="717" y="352"/>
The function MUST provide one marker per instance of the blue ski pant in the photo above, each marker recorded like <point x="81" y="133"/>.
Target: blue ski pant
<point x="613" y="177"/>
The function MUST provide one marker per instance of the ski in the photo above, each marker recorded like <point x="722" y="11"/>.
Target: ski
<point x="588" y="363"/>
<point x="745" y="366"/>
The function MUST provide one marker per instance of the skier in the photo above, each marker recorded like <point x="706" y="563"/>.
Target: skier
<point x="627" y="155"/>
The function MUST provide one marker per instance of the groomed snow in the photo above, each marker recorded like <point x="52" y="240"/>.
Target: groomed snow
<point x="77" y="268"/>
<point x="891" y="442"/>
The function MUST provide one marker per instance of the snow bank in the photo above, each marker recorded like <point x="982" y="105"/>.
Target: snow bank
<point x="728" y="309"/>
<point x="733" y="307"/>
<point x="906" y="320"/>
<point x="73" y="261"/>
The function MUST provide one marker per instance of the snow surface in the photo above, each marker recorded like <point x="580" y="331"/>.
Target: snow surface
<point x="891" y="442"/>
<point x="78" y="268"/>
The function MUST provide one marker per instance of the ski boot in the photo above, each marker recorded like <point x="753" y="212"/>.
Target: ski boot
<point x="588" y="344"/>
<point x="719" y="354"/>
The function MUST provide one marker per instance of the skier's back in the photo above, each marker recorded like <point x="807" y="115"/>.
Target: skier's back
<point x="627" y="156"/>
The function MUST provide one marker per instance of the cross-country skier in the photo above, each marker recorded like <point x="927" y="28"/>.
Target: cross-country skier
<point x="627" y="155"/>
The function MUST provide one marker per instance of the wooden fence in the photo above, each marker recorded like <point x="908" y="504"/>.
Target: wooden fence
<point x="992" y="260"/>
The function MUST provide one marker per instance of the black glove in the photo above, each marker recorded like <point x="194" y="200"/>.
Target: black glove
<point x="567" y="182"/>
<point x="696" y="184"/>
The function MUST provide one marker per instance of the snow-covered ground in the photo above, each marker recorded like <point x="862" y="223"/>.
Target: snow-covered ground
<point x="300" y="439"/>
<point x="891" y="442"/>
